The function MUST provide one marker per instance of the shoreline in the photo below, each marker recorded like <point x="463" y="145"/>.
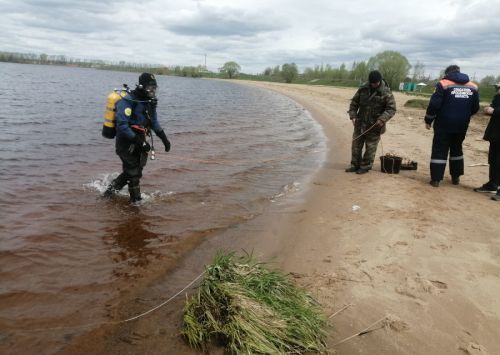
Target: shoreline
<point x="426" y="258"/>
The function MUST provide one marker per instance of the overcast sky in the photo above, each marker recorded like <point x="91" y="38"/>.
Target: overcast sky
<point x="258" y="33"/>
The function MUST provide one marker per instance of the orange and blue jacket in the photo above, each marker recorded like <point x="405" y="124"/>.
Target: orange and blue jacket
<point x="453" y="103"/>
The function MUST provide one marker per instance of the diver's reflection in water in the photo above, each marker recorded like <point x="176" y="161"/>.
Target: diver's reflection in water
<point x="130" y="238"/>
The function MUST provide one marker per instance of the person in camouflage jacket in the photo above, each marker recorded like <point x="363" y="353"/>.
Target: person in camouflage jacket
<point x="371" y="107"/>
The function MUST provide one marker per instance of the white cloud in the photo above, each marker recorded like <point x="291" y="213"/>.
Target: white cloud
<point x="258" y="33"/>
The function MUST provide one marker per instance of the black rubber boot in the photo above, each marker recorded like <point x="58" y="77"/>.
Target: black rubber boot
<point x="135" y="193"/>
<point x="115" y="186"/>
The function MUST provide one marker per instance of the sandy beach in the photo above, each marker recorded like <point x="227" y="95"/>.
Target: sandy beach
<point x="422" y="262"/>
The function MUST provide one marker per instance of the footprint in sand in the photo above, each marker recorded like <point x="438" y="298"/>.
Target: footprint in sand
<point x="390" y="268"/>
<point x="474" y="349"/>
<point x="442" y="247"/>
<point x="401" y="247"/>
<point x="438" y="284"/>
<point x="469" y="345"/>
<point x="353" y="252"/>
<point x="414" y="286"/>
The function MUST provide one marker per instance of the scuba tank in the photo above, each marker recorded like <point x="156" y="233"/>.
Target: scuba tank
<point x="109" y="126"/>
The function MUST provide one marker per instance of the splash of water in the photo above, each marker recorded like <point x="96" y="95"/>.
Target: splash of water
<point x="101" y="183"/>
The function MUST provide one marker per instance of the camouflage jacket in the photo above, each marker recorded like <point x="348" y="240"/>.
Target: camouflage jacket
<point x="368" y="107"/>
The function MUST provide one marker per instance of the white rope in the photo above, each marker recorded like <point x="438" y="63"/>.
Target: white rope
<point x="117" y="322"/>
<point x="340" y="310"/>
<point x="365" y="132"/>
<point x="364" y="331"/>
<point x="164" y="303"/>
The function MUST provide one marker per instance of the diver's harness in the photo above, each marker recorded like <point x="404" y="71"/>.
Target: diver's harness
<point x="117" y="95"/>
<point x="146" y="130"/>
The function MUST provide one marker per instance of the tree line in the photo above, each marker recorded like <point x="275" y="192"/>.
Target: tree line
<point x="394" y="66"/>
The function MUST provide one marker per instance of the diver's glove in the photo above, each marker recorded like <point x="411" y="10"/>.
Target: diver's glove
<point x="165" y="140"/>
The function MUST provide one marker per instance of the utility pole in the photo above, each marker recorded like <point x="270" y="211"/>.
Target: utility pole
<point x="205" y="61"/>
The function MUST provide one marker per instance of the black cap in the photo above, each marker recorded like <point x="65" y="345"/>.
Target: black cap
<point x="147" y="79"/>
<point x="374" y="77"/>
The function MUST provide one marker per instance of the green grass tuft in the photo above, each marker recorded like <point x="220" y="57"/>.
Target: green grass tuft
<point x="249" y="309"/>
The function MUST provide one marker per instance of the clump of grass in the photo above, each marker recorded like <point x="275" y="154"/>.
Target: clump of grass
<point x="417" y="103"/>
<point x="249" y="309"/>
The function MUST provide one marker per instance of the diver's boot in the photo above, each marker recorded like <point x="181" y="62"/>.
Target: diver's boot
<point x="135" y="193"/>
<point x="110" y="191"/>
<point x="115" y="186"/>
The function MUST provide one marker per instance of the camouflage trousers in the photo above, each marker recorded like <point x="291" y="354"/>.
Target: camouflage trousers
<point x="370" y="142"/>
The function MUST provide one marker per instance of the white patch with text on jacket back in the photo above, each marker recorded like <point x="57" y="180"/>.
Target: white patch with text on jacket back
<point x="462" y="93"/>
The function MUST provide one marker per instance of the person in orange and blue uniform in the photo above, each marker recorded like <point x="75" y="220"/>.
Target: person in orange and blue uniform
<point x="450" y="108"/>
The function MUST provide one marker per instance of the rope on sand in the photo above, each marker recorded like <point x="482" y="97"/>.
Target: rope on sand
<point x="364" y="331"/>
<point x="340" y="310"/>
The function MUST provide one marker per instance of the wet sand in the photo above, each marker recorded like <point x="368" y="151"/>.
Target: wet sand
<point x="427" y="258"/>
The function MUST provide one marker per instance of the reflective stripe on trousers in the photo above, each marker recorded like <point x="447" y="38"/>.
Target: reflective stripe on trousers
<point x="442" y="144"/>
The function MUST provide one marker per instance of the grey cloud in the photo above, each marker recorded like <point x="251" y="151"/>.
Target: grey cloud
<point x="58" y="15"/>
<point x="209" y="21"/>
<point x="50" y="5"/>
<point x="256" y="34"/>
<point x="69" y="23"/>
<point x="434" y="43"/>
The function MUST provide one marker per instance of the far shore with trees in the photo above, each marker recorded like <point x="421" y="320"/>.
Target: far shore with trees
<point x="394" y="66"/>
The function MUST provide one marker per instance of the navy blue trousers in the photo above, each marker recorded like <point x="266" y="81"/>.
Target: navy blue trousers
<point x="442" y="144"/>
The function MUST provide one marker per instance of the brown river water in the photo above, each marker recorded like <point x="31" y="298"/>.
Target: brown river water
<point x="68" y="256"/>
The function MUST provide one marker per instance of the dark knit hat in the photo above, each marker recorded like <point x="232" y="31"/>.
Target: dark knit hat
<point x="147" y="79"/>
<point x="374" y="77"/>
<point x="451" y="69"/>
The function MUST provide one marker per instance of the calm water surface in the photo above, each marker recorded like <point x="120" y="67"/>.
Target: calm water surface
<point x="67" y="255"/>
